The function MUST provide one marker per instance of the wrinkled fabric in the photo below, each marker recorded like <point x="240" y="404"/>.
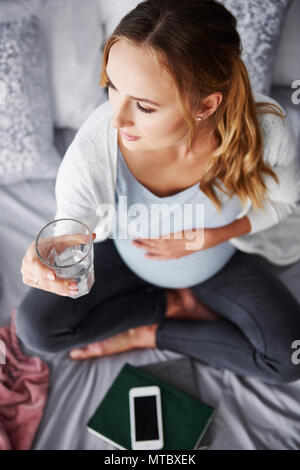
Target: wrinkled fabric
<point x="24" y="384"/>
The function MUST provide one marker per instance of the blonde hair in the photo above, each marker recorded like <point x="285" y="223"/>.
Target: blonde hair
<point x="196" y="41"/>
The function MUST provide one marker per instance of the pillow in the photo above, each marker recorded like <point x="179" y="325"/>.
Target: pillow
<point x="113" y="11"/>
<point x="287" y="64"/>
<point x="26" y="132"/>
<point x="74" y="38"/>
<point x="259" y="25"/>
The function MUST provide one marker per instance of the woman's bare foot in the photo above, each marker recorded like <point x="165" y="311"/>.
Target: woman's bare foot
<point x="182" y="303"/>
<point x="141" y="337"/>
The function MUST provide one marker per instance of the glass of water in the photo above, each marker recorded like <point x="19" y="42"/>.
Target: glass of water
<point x="66" y="246"/>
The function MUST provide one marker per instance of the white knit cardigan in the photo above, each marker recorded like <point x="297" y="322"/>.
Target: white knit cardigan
<point x="86" y="180"/>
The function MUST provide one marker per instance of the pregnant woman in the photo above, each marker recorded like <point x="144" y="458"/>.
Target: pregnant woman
<point x="182" y="129"/>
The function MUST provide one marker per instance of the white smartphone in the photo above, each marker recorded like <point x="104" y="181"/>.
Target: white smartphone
<point x="145" y="418"/>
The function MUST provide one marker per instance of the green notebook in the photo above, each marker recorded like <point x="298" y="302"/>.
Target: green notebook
<point x="185" y="418"/>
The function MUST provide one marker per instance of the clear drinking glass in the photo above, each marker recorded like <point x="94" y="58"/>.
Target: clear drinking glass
<point x="66" y="246"/>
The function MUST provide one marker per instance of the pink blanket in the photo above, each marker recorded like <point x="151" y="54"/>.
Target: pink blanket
<point x="23" y="392"/>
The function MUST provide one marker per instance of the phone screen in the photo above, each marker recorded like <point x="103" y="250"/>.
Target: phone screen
<point x="146" y="426"/>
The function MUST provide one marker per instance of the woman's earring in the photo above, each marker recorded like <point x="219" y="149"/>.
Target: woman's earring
<point x="199" y="118"/>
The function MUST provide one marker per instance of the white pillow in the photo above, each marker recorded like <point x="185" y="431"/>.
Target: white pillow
<point x="74" y="39"/>
<point x="287" y="64"/>
<point x="112" y="11"/>
<point x="26" y="126"/>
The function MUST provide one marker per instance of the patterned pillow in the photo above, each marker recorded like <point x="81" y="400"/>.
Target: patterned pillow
<point x="259" y="25"/>
<point x="26" y="126"/>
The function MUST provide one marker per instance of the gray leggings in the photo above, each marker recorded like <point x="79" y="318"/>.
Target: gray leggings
<point x="260" y="318"/>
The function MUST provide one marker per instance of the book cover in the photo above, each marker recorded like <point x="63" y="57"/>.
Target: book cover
<point x="179" y="373"/>
<point x="185" y="418"/>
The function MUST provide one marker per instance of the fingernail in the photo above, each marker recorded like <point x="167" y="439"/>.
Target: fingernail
<point x="73" y="285"/>
<point x="50" y="276"/>
<point x="73" y="290"/>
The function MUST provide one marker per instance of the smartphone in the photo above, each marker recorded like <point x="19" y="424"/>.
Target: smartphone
<point x="145" y="418"/>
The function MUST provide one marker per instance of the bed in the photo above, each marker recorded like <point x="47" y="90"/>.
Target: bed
<point x="249" y="414"/>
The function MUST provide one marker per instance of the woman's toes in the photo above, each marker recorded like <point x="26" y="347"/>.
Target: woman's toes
<point x="140" y="337"/>
<point x="91" y="350"/>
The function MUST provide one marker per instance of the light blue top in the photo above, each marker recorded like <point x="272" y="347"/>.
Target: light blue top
<point x="139" y="222"/>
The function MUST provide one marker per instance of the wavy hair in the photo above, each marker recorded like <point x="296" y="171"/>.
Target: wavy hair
<point x="197" y="42"/>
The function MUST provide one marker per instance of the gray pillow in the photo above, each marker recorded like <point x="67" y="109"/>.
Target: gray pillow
<point x="287" y="63"/>
<point x="259" y="25"/>
<point x="26" y="125"/>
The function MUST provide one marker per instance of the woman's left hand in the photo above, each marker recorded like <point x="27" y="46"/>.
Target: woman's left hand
<point x="178" y="244"/>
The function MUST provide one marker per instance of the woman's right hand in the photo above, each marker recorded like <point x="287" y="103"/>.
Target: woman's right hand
<point x="33" y="269"/>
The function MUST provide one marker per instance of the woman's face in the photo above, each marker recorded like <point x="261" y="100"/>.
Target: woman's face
<point x="134" y="72"/>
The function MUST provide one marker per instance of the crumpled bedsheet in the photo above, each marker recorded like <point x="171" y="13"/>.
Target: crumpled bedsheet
<point x="24" y="384"/>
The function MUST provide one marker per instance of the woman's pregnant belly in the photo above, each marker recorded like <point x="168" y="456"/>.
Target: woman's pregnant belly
<point x="189" y="270"/>
<point x="177" y="273"/>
